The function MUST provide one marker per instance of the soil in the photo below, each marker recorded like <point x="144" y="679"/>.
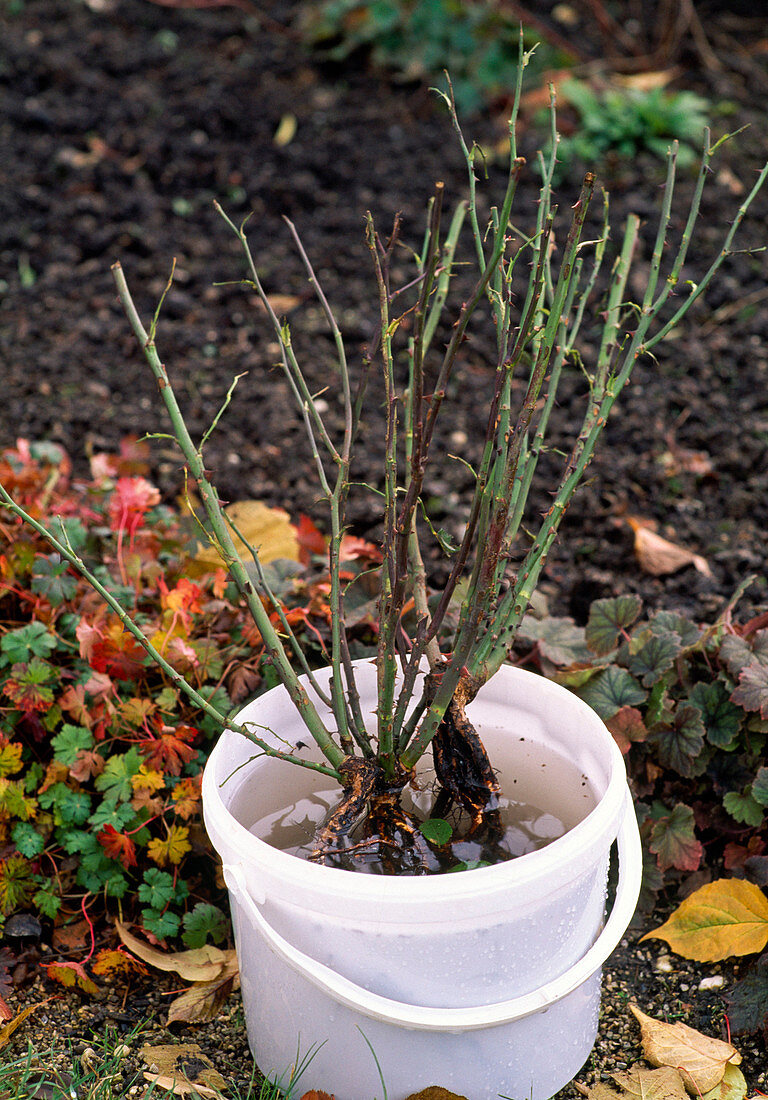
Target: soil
<point x="123" y="121"/>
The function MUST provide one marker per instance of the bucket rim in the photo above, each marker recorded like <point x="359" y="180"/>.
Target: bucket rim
<point x="596" y="830"/>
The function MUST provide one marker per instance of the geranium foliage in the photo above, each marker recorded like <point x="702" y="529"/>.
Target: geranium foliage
<point x="100" y="756"/>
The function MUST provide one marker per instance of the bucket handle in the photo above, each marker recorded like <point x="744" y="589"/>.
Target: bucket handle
<point x="423" y="1018"/>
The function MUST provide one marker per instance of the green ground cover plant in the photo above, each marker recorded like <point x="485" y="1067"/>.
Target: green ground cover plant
<point x="477" y="43"/>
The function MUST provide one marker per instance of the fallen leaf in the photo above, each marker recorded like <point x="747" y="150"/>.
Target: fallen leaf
<point x="183" y="1069"/>
<point x="700" y="1059"/>
<point x="202" y="1003"/>
<point x="286" y="130"/>
<point x="658" y="556"/>
<point x="664" y="1083"/>
<point x="71" y="975"/>
<point x="268" y="530"/>
<point x="313" y="1094"/>
<point x="435" y="1092"/>
<point x="732" y="1087"/>
<point x="202" y="964"/>
<point x="7" y="1031"/>
<point x="180" y="1087"/>
<point x="723" y="918"/>
<point x="6" y="1012"/>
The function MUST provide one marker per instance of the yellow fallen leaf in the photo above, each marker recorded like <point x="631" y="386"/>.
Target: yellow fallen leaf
<point x="268" y="530"/>
<point x="732" y="1087"/>
<point x="724" y="918"/>
<point x="8" y="1029"/>
<point x="286" y="130"/>
<point x="700" y="1059"/>
<point x="664" y="1083"/>
<point x="203" y="964"/>
<point x="658" y="556"/>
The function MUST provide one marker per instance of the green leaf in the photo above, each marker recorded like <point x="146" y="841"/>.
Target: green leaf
<point x="748" y="1003"/>
<point x="161" y="925"/>
<point x="608" y="620"/>
<point x="71" y="740"/>
<point x="46" y="900"/>
<point x="760" y="787"/>
<point x="752" y="690"/>
<point x="722" y="720"/>
<point x="109" y="812"/>
<point x="53" y="580"/>
<point x="28" y="841"/>
<point x="652" y="654"/>
<point x="673" y="841"/>
<point x="743" y="807"/>
<point x="115" y="780"/>
<point x="612" y="689"/>
<point x="203" y="922"/>
<point x="679" y="745"/>
<point x="157" y="890"/>
<point x="558" y="639"/>
<point x="69" y="807"/>
<point x="665" y="622"/>
<point x="32" y="640"/>
<point x="436" y="830"/>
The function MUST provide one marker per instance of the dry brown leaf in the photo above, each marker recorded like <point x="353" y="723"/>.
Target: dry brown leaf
<point x="180" y="1087"/>
<point x="268" y="530"/>
<point x="435" y="1092"/>
<point x="313" y="1094"/>
<point x="658" y="556"/>
<point x="201" y="1003"/>
<point x="721" y="919"/>
<point x="700" y="1059"/>
<point x="7" y="1031"/>
<point x="646" y="82"/>
<point x="183" y="1069"/>
<point x="664" y="1083"/>
<point x="203" y="964"/>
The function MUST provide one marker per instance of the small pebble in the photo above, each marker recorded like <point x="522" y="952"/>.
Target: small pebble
<point x="715" y="981"/>
<point x="664" y="965"/>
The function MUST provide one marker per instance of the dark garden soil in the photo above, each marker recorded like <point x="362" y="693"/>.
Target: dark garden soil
<point x="122" y="121"/>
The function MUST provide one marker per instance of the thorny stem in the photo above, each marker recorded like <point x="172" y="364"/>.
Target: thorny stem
<point x="222" y="535"/>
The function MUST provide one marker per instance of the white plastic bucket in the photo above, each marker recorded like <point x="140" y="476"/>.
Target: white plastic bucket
<point x="485" y="982"/>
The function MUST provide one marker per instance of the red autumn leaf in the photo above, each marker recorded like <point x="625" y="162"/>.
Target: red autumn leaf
<point x="117" y="846"/>
<point x="312" y="542"/>
<point x="132" y="499"/>
<point x="118" y="654"/>
<point x="353" y="549"/>
<point x="167" y="750"/>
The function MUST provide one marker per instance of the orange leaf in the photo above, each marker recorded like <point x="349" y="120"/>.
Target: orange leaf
<point x="7" y="1031"/>
<point x="313" y="1094"/>
<point x="113" y="962"/>
<point x="70" y="974"/>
